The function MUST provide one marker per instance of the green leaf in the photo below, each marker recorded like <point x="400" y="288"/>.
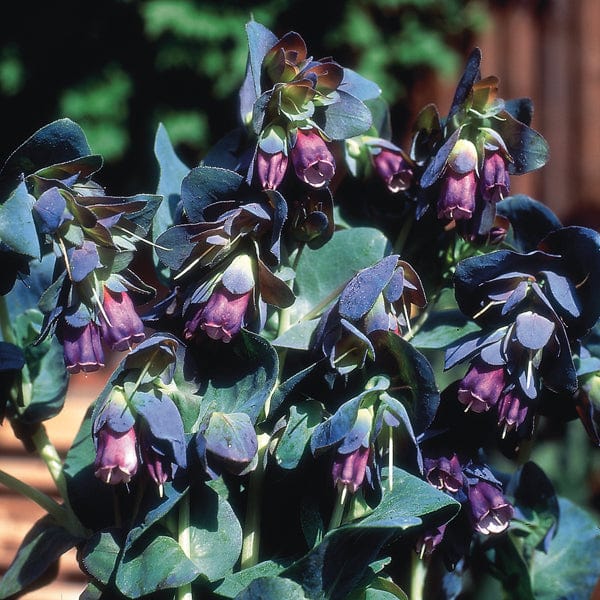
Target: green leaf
<point x="529" y="150"/>
<point x="231" y="437"/>
<point x="272" y="588"/>
<point x="293" y="443"/>
<point x="151" y="566"/>
<point x="216" y="534"/>
<point x="237" y="582"/>
<point x="570" y="568"/>
<point x="442" y="329"/>
<point x="345" y="119"/>
<point x="100" y="555"/>
<point x="172" y="172"/>
<point x="17" y="227"/>
<point x="334" y="567"/>
<point x="45" y="543"/>
<point x="322" y="273"/>
<point x="244" y="388"/>
<point x="58" y="142"/>
<point x="297" y="337"/>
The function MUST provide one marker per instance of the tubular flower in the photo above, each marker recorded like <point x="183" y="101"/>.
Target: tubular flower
<point x="271" y="169"/>
<point x="82" y="348"/>
<point x="444" y="473"/>
<point x="313" y="162"/>
<point x="512" y="412"/>
<point x="490" y="510"/>
<point x="394" y="170"/>
<point x="116" y="456"/>
<point x="481" y="387"/>
<point x="221" y="317"/>
<point x="349" y="470"/>
<point x="428" y="542"/>
<point x="495" y="181"/>
<point x="121" y="326"/>
<point x="459" y="186"/>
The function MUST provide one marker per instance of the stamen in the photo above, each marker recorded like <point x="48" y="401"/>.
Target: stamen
<point x="488" y="306"/>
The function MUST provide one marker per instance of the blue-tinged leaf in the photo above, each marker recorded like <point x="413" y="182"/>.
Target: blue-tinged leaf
<point x="83" y="261"/>
<point x="520" y="108"/>
<point x="358" y="86"/>
<point x="561" y="289"/>
<point x="411" y="377"/>
<point x="11" y="357"/>
<point x="528" y="149"/>
<point x="570" y="567"/>
<point x="235" y="583"/>
<point x="40" y="550"/>
<point x="272" y="588"/>
<point x="437" y="164"/>
<point x="164" y="422"/>
<point x="532" y="330"/>
<point x="205" y="185"/>
<point x="298" y="336"/>
<point x="292" y="445"/>
<point x="215" y="534"/>
<point x="231" y="437"/>
<point x="442" y="329"/>
<point x="260" y="41"/>
<point x="172" y="172"/>
<point x="58" y="142"/>
<point x="99" y="555"/>
<point x="334" y="429"/>
<point x="51" y="207"/>
<point x="344" y="119"/>
<point x="321" y="275"/>
<point x="470" y="76"/>
<point x="154" y="564"/>
<point x="530" y="221"/>
<point x="362" y="290"/>
<point x="469" y="346"/>
<point x="335" y="567"/>
<point x="17" y="226"/>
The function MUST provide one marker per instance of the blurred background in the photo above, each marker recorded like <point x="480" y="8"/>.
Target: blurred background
<point x="119" y="67"/>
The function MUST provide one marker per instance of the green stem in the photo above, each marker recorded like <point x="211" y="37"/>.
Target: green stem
<point x="338" y="509"/>
<point x="50" y="456"/>
<point x="5" y="328"/>
<point x="404" y="233"/>
<point x="417" y="579"/>
<point x="48" y="504"/>
<point x="184" y="592"/>
<point x="251" y="542"/>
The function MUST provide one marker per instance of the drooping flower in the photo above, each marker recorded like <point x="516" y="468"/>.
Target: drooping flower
<point x="393" y="169"/>
<point x="444" y="473"/>
<point x="116" y="455"/>
<point x="481" y="387"/>
<point x="120" y="324"/>
<point x="491" y="512"/>
<point x="430" y="540"/>
<point x="348" y="470"/>
<point x="82" y="347"/>
<point x="221" y="317"/>
<point x="270" y="168"/>
<point x="313" y="161"/>
<point x="495" y="181"/>
<point x="459" y="184"/>
<point x="512" y="412"/>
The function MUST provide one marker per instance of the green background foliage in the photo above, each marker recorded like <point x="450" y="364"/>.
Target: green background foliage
<point x="119" y="67"/>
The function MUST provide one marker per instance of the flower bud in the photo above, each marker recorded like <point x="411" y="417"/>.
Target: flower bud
<point x="116" y="456"/>
<point x="444" y="474"/>
<point x="495" y="181"/>
<point x="349" y="469"/>
<point x="120" y="323"/>
<point x="82" y="348"/>
<point x="313" y="162"/>
<point x="481" y="387"/>
<point x="490" y="510"/>
<point x="158" y="466"/>
<point x="393" y="169"/>
<point x="221" y="317"/>
<point x="270" y="169"/>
